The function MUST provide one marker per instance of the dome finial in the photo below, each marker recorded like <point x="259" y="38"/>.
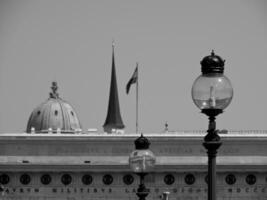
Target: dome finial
<point x="54" y="88"/>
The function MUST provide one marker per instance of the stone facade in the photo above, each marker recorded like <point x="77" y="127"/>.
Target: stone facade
<point x="114" y="185"/>
<point x="95" y="166"/>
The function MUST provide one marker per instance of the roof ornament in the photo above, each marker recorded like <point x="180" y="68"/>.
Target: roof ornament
<point x="32" y="130"/>
<point x="50" y="130"/>
<point x="166" y="127"/>
<point x="113" y="43"/>
<point x="58" y="130"/>
<point x="54" y="88"/>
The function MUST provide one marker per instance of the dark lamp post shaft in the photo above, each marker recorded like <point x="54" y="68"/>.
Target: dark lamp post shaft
<point x="142" y="191"/>
<point x="212" y="143"/>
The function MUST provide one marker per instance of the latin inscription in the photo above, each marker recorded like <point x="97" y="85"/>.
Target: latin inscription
<point x="106" y="190"/>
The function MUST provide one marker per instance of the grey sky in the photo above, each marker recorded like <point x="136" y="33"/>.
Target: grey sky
<point x="70" y="42"/>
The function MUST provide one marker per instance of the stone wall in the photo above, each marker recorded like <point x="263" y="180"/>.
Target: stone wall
<point x="111" y="186"/>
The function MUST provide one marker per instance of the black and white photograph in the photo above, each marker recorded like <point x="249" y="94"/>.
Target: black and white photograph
<point x="133" y="100"/>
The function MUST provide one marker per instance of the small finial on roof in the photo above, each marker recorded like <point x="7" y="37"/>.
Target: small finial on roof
<point x="32" y="130"/>
<point x="166" y="126"/>
<point x="50" y="130"/>
<point x="113" y="43"/>
<point x="58" y="130"/>
<point x="54" y="88"/>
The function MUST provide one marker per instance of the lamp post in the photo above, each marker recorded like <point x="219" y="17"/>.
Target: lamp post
<point x="212" y="92"/>
<point x="142" y="161"/>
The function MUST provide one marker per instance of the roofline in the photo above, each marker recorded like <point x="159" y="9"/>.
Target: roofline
<point x="253" y="134"/>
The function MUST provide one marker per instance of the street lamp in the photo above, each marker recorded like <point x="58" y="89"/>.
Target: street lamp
<point x="142" y="161"/>
<point x="212" y="92"/>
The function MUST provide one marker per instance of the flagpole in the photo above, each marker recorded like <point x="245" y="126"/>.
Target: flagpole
<point x="137" y="99"/>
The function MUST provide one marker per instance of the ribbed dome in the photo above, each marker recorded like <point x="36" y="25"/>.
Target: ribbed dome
<point x="54" y="115"/>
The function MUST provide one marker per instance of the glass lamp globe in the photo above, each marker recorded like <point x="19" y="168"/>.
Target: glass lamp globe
<point x="212" y="91"/>
<point x="142" y="160"/>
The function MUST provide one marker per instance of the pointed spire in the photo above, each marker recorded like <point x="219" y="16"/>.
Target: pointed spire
<point x="113" y="119"/>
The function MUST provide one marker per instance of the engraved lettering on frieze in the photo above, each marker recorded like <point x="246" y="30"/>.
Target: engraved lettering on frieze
<point x="230" y="150"/>
<point x="175" y="150"/>
<point x="78" y="150"/>
<point x="185" y="192"/>
<point x="121" y="150"/>
<point x="71" y="198"/>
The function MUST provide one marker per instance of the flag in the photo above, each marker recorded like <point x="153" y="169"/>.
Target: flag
<point x="132" y="80"/>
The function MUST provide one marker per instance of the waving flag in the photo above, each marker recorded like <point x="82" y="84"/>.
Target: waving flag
<point x="132" y="80"/>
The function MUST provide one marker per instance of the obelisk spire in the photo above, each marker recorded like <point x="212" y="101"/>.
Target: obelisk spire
<point x="113" y="120"/>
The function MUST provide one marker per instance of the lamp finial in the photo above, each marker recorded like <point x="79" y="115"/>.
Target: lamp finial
<point x="212" y="52"/>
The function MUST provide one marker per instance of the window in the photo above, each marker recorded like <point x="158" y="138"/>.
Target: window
<point x="128" y="179"/>
<point x="189" y="179"/>
<point x="107" y="179"/>
<point x="46" y="179"/>
<point x="251" y="179"/>
<point x="66" y="179"/>
<point x="230" y="179"/>
<point x="25" y="179"/>
<point x="87" y="179"/>
<point x="169" y="179"/>
<point x="4" y="179"/>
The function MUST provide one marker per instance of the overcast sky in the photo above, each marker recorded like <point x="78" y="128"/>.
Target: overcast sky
<point x="70" y="42"/>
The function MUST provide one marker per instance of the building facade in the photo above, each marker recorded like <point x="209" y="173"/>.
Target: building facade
<point x="95" y="166"/>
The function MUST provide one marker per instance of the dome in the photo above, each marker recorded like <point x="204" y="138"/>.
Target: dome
<point x="54" y="115"/>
